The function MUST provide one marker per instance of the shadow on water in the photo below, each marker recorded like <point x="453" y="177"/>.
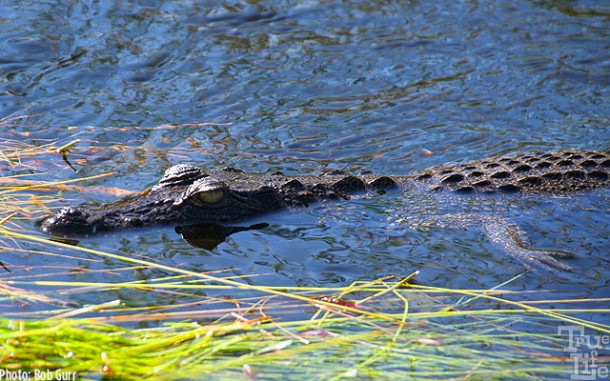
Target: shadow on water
<point x="208" y="236"/>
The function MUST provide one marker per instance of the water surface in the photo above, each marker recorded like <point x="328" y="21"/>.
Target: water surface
<point x="306" y="87"/>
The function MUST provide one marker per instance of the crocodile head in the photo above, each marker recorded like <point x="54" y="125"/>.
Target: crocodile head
<point x="184" y="195"/>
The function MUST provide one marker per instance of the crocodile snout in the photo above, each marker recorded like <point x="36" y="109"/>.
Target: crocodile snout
<point x="70" y="222"/>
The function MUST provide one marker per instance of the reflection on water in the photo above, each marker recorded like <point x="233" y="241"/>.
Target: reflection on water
<point x="208" y="236"/>
<point x="311" y="87"/>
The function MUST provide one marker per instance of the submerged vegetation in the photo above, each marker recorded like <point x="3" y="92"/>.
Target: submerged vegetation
<point x="226" y="327"/>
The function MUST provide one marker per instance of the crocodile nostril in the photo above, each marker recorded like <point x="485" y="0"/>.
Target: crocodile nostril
<point x="73" y="212"/>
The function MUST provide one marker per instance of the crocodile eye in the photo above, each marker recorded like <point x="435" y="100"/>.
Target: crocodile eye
<point x="212" y="196"/>
<point x="205" y="191"/>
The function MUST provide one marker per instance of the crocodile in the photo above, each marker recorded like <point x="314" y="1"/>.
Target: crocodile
<point x="187" y="195"/>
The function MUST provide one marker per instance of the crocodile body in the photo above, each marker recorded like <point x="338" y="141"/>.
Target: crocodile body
<point x="186" y="195"/>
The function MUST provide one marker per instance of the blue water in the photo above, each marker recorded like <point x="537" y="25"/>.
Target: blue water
<point x="306" y="87"/>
